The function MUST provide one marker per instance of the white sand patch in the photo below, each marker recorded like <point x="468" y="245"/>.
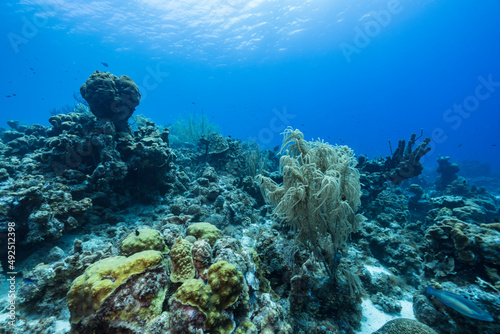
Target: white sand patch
<point x="377" y="270"/>
<point x="62" y="326"/>
<point x="373" y="318"/>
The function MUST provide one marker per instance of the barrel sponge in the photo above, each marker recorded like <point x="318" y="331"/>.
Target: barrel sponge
<point x="141" y="240"/>
<point x="181" y="256"/>
<point x="204" y="231"/>
<point x="100" y="279"/>
<point x="226" y="283"/>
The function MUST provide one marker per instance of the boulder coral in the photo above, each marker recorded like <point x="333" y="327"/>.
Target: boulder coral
<point x="102" y="279"/>
<point x="226" y="282"/>
<point x="141" y="240"/>
<point x="195" y="300"/>
<point x="111" y="97"/>
<point x="204" y="231"/>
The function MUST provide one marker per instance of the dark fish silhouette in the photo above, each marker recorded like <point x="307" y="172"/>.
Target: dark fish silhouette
<point x="105" y="64"/>
<point x="29" y="281"/>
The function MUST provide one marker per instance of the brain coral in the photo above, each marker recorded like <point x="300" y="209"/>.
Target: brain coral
<point x="111" y="97"/>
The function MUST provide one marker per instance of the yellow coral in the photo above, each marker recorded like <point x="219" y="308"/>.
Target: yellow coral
<point x="182" y="261"/>
<point x="205" y="231"/>
<point x="194" y="292"/>
<point x="225" y="283"/>
<point x="100" y="279"/>
<point x="141" y="240"/>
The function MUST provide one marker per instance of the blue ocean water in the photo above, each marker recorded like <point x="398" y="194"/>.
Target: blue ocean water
<point x="359" y="73"/>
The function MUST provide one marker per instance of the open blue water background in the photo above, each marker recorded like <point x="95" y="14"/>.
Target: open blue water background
<point x="359" y="73"/>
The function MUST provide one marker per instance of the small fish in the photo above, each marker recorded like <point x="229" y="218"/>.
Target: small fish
<point x="460" y="304"/>
<point x="460" y="145"/>
<point x="193" y="102"/>
<point x="8" y="96"/>
<point x="137" y="232"/>
<point x="104" y="64"/>
<point x="29" y="281"/>
<point x="14" y="95"/>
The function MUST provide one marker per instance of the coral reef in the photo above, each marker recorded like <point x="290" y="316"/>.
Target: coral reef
<point x="101" y="279"/>
<point x="80" y="164"/>
<point x="117" y="232"/>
